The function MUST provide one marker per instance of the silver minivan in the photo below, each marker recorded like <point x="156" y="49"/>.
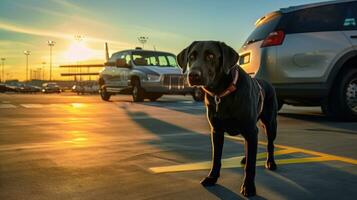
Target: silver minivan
<point x="309" y="53"/>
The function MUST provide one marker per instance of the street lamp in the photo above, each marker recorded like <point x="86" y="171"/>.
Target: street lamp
<point x="51" y="44"/>
<point x="79" y="38"/>
<point x="2" y="69"/>
<point x="27" y="53"/>
<point x="143" y="40"/>
<point x="43" y="70"/>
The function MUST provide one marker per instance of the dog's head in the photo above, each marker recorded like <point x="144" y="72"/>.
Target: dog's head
<point x="207" y="62"/>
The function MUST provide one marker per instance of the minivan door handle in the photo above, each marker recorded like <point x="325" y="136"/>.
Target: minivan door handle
<point x="353" y="36"/>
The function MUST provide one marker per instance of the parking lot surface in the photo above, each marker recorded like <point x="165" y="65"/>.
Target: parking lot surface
<point x="63" y="146"/>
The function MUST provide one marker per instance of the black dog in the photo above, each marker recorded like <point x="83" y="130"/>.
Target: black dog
<point x="234" y="102"/>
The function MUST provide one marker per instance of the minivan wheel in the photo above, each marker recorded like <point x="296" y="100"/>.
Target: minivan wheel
<point x="198" y="94"/>
<point x="104" y="94"/>
<point x="138" y="92"/>
<point x="342" y="104"/>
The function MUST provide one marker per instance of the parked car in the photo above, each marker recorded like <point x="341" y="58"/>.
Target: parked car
<point x="51" y="88"/>
<point x="85" y="87"/>
<point x="145" y="75"/>
<point x="19" y="87"/>
<point x="3" y="88"/>
<point x="309" y="53"/>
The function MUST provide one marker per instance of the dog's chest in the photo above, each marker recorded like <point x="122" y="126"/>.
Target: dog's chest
<point x="229" y="125"/>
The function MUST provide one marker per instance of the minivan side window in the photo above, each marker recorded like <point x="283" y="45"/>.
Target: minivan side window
<point x="128" y="59"/>
<point x="322" y="18"/>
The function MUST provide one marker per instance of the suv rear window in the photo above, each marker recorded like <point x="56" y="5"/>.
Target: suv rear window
<point x="263" y="29"/>
<point x="316" y="19"/>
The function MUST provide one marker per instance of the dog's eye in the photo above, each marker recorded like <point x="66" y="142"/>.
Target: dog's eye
<point x="210" y="73"/>
<point x="210" y="56"/>
<point x="192" y="57"/>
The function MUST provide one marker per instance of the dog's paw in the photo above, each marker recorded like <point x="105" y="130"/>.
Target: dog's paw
<point x="248" y="189"/>
<point x="243" y="161"/>
<point x="209" y="181"/>
<point x="271" y="165"/>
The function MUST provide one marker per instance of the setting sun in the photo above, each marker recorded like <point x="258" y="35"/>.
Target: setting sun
<point x="78" y="51"/>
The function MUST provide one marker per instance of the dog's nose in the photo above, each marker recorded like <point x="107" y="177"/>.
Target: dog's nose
<point x="194" y="77"/>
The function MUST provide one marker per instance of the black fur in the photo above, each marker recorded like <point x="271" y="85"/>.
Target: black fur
<point x="238" y="112"/>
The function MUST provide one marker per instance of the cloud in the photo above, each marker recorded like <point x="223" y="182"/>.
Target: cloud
<point x="40" y="32"/>
<point x="88" y="21"/>
<point x="69" y="5"/>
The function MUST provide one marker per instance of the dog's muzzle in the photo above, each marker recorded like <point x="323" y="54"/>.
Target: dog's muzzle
<point x="195" y="78"/>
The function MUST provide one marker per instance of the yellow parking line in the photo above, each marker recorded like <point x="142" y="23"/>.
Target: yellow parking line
<point x="226" y="163"/>
<point x="315" y="153"/>
<point x="233" y="163"/>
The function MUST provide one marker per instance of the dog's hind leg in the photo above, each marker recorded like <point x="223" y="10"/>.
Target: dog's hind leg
<point x="270" y="130"/>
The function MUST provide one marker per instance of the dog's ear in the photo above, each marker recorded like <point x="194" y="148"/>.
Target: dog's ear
<point x="229" y="57"/>
<point x="182" y="57"/>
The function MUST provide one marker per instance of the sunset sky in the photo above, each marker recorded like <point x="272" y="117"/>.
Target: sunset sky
<point x="170" y="25"/>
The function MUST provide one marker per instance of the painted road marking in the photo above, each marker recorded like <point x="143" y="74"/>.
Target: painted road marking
<point x="32" y="105"/>
<point x="6" y="105"/>
<point x="315" y="153"/>
<point x="226" y="163"/>
<point x="234" y="162"/>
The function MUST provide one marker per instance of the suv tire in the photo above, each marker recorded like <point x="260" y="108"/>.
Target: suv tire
<point x="138" y="92"/>
<point x="154" y="96"/>
<point x="342" y="102"/>
<point x="104" y="94"/>
<point x="280" y="104"/>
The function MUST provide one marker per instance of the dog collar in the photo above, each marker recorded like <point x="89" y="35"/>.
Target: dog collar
<point x="231" y="88"/>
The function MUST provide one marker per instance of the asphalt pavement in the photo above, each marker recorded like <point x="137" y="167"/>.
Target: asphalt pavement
<point x="64" y="146"/>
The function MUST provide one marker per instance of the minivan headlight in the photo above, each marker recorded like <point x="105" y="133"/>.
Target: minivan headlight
<point x="153" y="77"/>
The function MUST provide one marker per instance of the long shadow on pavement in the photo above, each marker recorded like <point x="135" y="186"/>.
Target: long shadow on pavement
<point x="195" y="147"/>
<point x="350" y="127"/>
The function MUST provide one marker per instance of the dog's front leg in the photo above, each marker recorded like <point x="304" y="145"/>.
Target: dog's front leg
<point x="251" y="142"/>
<point x="217" y="139"/>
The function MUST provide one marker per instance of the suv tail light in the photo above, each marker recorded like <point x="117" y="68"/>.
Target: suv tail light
<point x="274" y="39"/>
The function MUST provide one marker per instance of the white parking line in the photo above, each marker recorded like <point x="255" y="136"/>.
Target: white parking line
<point x="32" y="105"/>
<point x="6" y="105"/>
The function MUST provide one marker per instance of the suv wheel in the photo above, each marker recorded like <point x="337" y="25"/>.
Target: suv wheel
<point x="154" y="96"/>
<point x="342" y="103"/>
<point x="280" y="104"/>
<point x="138" y="92"/>
<point x="198" y="94"/>
<point x="104" y="94"/>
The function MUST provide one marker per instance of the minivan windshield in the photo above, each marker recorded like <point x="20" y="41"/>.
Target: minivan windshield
<point x="153" y="58"/>
<point x="263" y="29"/>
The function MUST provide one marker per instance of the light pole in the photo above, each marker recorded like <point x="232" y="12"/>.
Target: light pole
<point x="79" y="38"/>
<point x="27" y="53"/>
<point x="143" y="40"/>
<point x="43" y="70"/>
<point x="51" y="44"/>
<point x="2" y="69"/>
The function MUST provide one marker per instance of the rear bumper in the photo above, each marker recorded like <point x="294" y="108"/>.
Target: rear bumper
<point x="302" y="94"/>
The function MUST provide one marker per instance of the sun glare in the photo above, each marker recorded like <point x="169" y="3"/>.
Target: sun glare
<point x="78" y="51"/>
